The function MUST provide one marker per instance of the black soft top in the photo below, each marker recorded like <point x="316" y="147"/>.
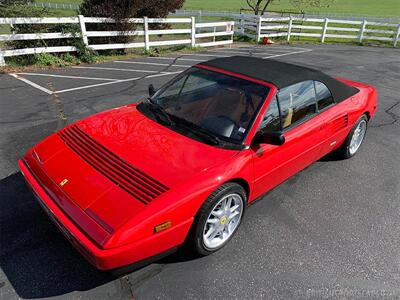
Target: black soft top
<point x="280" y="74"/>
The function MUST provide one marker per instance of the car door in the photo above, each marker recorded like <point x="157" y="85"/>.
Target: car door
<point x="336" y="118"/>
<point x="293" y="111"/>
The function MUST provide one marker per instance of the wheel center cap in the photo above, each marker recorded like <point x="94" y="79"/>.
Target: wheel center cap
<point x="223" y="220"/>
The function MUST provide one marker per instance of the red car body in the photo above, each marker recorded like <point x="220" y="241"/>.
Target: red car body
<point x="96" y="210"/>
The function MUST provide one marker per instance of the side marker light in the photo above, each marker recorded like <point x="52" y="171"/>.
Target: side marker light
<point x="162" y="226"/>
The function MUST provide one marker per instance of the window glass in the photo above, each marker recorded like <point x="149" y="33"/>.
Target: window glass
<point x="297" y="102"/>
<point x="271" y="120"/>
<point x="324" y="96"/>
<point x="220" y="104"/>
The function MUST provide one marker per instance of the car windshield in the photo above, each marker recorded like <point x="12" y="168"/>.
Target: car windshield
<point x="212" y="103"/>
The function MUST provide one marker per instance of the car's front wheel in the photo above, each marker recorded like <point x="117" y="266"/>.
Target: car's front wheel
<point x="218" y="218"/>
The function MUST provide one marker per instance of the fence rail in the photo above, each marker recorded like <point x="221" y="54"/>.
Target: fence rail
<point x="326" y="28"/>
<point x="337" y="27"/>
<point x="212" y="34"/>
<point x="69" y="6"/>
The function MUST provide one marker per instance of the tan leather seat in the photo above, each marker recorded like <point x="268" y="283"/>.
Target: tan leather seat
<point x="289" y="117"/>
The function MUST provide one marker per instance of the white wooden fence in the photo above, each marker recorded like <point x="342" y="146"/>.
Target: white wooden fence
<point x="319" y="28"/>
<point x="188" y="33"/>
<point x="355" y="28"/>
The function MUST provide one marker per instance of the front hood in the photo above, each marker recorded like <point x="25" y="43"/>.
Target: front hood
<point x="114" y="164"/>
<point x="163" y="154"/>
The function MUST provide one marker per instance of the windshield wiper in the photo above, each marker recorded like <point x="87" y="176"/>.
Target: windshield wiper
<point x="158" y="111"/>
<point x="199" y="131"/>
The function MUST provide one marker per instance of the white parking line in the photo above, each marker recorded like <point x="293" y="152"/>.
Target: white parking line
<point x="179" y="58"/>
<point x="32" y="84"/>
<point x="272" y="47"/>
<point x="202" y="54"/>
<point x="116" y="69"/>
<point x="68" y="76"/>
<point x="247" y="50"/>
<point x="256" y="51"/>
<point x="113" y="82"/>
<point x="241" y="52"/>
<point x="278" y="55"/>
<point x="149" y="63"/>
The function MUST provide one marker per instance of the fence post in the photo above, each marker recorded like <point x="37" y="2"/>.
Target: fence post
<point x="146" y="33"/>
<point x="289" y="32"/>
<point x="241" y="23"/>
<point x="232" y="26"/>
<point x="324" y="30"/>
<point x="193" y="32"/>
<point x="364" y="24"/>
<point x="215" y="29"/>
<point x="83" y="30"/>
<point x="396" y="36"/>
<point x="2" y="61"/>
<point x="259" y="29"/>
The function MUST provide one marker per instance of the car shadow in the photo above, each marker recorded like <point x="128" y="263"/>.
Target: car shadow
<point x="332" y="156"/>
<point x="36" y="258"/>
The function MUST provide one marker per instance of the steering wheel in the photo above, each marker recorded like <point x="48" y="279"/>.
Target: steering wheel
<point x="228" y="119"/>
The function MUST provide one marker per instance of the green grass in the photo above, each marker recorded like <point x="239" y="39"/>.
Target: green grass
<point x="383" y="8"/>
<point x="61" y="1"/>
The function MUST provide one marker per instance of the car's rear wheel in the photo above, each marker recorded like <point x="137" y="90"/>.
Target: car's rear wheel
<point x="355" y="138"/>
<point x="218" y="218"/>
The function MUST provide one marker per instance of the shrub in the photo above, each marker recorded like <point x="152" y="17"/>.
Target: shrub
<point x="47" y="59"/>
<point x="121" y="10"/>
<point x="70" y="59"/>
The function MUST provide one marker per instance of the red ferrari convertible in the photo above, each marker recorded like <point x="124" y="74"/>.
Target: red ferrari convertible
<point x="181" y="167"/>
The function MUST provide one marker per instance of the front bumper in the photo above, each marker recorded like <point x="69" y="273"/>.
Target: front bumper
<point x="105" y="259"/>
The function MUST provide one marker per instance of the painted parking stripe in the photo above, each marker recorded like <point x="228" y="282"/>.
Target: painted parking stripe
<point x="32" y="84"/>
<point x="68" y="76"/>
<point x="203" y="54"/>
<point x="116" y="69"/>
<point x="117" y="81"/>
<point x="149" y="63"/>
<point x="192" y="59"/>
<point x="255" y="50"/>
<point x="284" y="54"/>
<point x="241" y="52"/>
<point x="270" y="47"/>
<point x="179" y="58"/>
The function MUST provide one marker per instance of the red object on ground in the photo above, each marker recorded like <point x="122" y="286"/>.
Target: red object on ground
<point x="267" y="41"/>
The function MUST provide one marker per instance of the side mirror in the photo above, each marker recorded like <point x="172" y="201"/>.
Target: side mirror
<point x="269" y="137"/>
<point x="152" y="90"/>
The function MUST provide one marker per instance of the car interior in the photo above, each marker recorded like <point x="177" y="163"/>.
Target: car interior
<point x="223" y="110"/>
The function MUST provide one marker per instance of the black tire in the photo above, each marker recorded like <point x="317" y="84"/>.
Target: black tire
<point x="344" y="151"/>
<point x="196" y="236"/>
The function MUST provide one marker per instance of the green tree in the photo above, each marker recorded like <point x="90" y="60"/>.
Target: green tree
<point x="121" y="9"/>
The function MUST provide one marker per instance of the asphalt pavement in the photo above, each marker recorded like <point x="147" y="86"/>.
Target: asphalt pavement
<point x="329" y="232"/>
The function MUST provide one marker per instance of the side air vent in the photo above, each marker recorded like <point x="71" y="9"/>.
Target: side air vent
<point x="138" y="184"/>
<point x="340" y="123"/>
